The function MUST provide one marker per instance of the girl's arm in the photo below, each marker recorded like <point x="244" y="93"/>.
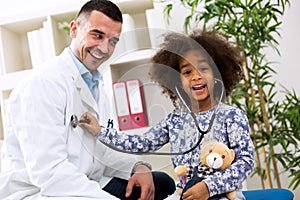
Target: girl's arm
<point x="124" y="141"/>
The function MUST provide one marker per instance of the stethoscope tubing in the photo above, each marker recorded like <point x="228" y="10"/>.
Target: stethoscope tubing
<point x="75" y="121"/>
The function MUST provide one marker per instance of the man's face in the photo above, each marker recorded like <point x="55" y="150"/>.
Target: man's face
<point x="94" y="39"/>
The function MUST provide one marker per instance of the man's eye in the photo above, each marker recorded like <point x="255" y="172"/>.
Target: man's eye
<point x="113" y="41"/>
<point x="99" y="36"/>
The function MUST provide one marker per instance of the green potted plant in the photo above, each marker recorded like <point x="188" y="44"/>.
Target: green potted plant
<point x="275" y="125"/>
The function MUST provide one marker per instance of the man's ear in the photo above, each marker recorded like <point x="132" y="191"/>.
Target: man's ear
<point x="73" y="29"/>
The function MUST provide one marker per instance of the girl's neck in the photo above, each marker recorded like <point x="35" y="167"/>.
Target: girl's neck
<point x="201" y="106"/>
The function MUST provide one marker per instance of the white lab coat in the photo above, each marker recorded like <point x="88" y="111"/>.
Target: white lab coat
<point x="43" y="156"/>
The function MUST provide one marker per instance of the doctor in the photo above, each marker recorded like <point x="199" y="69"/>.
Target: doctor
<point x="44" y="157"/>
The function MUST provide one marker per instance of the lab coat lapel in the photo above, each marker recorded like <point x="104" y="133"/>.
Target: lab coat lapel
<point x="86" y="95"/>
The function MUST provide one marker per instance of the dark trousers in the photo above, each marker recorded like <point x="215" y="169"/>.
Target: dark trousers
<point x="164" y="186"/>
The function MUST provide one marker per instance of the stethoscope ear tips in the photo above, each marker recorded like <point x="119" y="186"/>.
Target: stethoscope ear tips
<point x="74" y="121"/>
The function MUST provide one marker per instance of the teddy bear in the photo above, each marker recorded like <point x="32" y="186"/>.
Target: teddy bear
<point x="213" y="156"/>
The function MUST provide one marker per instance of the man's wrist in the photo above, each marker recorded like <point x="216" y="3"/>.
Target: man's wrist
<point x="148" y="165"/>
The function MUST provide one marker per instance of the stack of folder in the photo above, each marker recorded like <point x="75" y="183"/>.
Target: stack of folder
<point x="130" y="104"/>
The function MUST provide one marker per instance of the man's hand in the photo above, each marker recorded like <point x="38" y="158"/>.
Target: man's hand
<point x="197" y="192"/>
<point x="142" y="178"/>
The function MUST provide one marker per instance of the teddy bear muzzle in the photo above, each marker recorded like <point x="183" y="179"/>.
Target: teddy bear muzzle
<point x="214" y="160"/>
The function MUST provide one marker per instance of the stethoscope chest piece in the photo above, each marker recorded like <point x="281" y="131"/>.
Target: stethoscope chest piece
<point x="74" y="121"/>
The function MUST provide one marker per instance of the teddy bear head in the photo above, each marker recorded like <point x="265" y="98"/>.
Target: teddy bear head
<point x="216" y="155"/>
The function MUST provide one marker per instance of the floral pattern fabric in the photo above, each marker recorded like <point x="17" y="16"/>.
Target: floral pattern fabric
<point x="230" y="126"/>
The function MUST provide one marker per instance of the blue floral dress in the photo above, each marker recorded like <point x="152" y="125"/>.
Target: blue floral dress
<point x="230" y="127"/>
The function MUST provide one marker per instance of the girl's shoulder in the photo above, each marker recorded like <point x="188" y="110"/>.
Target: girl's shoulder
<point x="178" y="112"/>
<point x="227" y="109"/>
<point x="177" y="115"/>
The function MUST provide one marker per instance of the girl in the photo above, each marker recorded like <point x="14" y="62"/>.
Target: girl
<point x="202" y="66"/>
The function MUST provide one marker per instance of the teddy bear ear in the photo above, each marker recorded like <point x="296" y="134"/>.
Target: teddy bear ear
<point x="207" y="147"/>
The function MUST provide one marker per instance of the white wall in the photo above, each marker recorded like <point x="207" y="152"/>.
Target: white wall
<point x="288" y="63"/>
<point x="21" y="7"/>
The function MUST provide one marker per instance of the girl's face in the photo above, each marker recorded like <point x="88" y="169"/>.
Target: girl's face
<point x="197" y="79"/>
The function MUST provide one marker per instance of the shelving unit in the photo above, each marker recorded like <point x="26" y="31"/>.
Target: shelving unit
<point x="15" y="53"/>
<point x="17" y="56"/>
<point x="130" y="59"/>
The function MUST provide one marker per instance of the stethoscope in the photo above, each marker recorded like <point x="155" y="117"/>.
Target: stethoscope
<point x="202" y="133"/>
<point x="75" y="121"/>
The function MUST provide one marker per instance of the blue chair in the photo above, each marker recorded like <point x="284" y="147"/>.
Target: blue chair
<point x="269" y="194"/>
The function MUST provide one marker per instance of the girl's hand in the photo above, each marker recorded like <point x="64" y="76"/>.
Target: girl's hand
<point x="197" y="192"/>
<point x="92" y="125"/>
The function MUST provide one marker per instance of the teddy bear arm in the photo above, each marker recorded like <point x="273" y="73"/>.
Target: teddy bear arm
<point x="231" y="195"/>
<point x="181" y="170"/>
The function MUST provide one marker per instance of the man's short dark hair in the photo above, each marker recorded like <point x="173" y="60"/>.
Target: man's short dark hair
<point x="107" y="7"/>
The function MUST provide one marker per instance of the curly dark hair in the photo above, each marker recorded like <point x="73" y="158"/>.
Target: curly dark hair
<point x="224" y="58"/>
